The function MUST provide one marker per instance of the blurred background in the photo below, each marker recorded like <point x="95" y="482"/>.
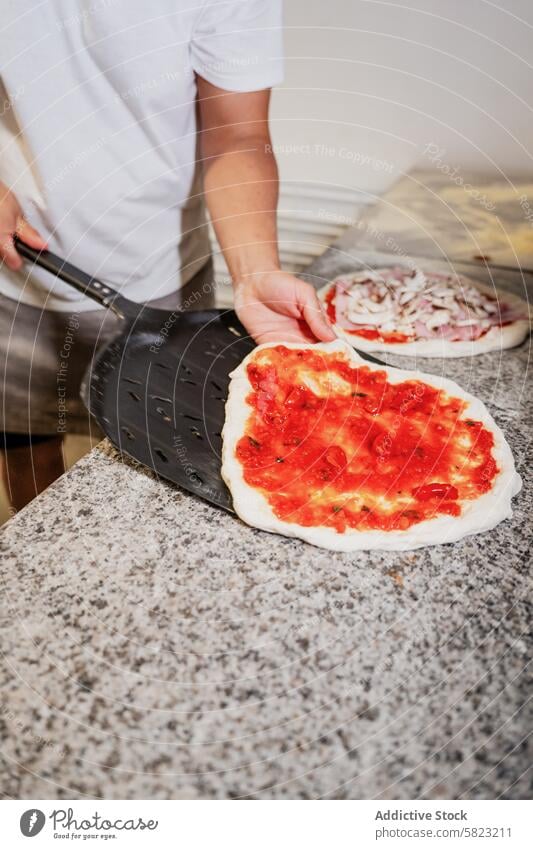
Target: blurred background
<point x="375" y="88"/>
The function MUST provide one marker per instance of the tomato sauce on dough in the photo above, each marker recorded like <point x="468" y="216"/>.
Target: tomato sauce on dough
<point x="337" y="445"/>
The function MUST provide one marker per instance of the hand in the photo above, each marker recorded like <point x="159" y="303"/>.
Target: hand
<point x="12" y="221"/>
<point x="278" y="307"/>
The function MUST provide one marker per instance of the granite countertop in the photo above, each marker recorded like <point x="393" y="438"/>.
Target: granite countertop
<point x="157" y="647"/>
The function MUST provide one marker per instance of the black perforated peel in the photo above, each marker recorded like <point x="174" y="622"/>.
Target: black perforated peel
<point x="164" y="405"/>
<point x="159" y="387"/>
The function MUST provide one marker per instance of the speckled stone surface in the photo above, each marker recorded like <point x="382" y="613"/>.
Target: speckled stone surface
<point x="156" y="647"/>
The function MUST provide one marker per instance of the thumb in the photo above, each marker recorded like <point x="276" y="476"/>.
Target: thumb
<point x="314" y="315"/>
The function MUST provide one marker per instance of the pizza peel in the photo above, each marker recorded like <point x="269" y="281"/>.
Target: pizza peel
<point x="158" y="387"/>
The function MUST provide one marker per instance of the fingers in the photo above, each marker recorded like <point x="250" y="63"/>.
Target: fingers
<point x="283" y="306"/>
<point x="315" y="317"/>
<point x="30" y="235"/>
<point x="9" y="253"/>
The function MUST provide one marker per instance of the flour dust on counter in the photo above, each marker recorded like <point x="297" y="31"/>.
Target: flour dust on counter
<point x="349" y="455"/>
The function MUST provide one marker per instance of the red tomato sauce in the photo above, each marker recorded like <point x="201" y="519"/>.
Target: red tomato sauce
<point x="365" y="332"/>
<point x="336" y="445"/>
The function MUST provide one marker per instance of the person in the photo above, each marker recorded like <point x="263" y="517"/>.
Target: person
<point x="119" y="122"/>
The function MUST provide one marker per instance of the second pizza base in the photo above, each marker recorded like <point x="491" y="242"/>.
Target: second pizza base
<point x="276" y="495"/>
<point x="508" y="335"/>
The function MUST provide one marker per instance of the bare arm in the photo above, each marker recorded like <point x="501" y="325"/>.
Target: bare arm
<point x="241" y="188"/>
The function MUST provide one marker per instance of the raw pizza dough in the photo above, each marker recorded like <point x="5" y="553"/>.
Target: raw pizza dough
<point x="495" y="339"/>
<point x="252" y="505"/>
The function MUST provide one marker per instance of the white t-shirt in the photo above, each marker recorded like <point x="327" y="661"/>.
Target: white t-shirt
<point x="98" y="131"/>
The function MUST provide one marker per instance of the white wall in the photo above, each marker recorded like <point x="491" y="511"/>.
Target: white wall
<point x="383" y="79"/>
<point x="371" y="84"/>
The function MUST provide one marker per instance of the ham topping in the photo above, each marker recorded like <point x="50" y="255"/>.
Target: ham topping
<point x="418" y="305"/>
